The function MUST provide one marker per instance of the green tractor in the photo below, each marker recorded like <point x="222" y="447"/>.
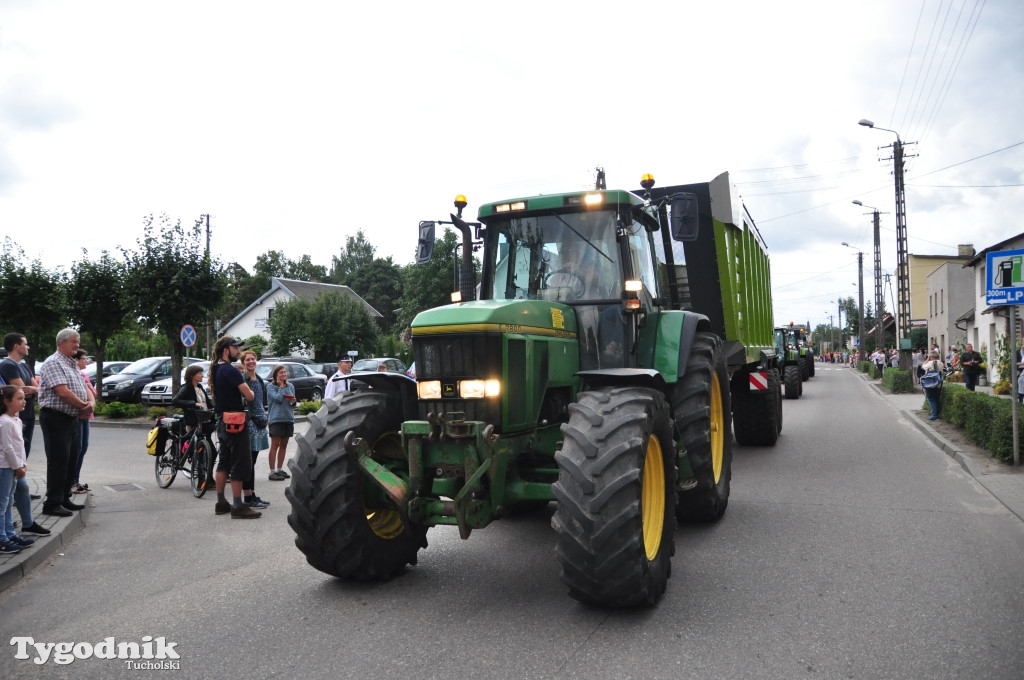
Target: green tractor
<point x="796" y="358"/>
<point x="613" y="339"/>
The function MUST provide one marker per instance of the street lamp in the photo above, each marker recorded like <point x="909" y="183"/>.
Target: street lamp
<point x="902" y="258"/>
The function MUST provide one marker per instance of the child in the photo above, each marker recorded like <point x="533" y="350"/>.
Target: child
<point x="12" y="467"/>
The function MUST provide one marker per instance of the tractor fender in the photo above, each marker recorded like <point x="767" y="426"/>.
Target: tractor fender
<point x="692" y="323"/>
<point x="400" y="388"/>
<point x="619" y="377"/>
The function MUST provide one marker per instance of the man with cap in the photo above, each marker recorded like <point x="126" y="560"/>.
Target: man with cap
<point x="230" y="394"/>
<point x="339" y="382"/>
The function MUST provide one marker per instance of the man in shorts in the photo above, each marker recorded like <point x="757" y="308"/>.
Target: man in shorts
<point x="230" y="394"/>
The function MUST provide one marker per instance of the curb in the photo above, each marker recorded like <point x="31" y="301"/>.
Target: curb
<point x="16" y="567"/>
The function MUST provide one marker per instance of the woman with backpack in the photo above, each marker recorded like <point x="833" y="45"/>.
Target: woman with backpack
<point x="931" y="381"/>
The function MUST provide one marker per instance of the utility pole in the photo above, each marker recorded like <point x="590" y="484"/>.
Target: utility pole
<point x="209" y="345"/>
<point x="902" y="257"/>
<point x="860" y="303"/>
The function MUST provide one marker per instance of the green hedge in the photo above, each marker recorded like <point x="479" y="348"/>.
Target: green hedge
<point x="117" y="409"/>
<point x="897" y="381"/>
<point x="987" y="420"/>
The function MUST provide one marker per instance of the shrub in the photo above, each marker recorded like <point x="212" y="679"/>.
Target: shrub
<point x="307" y="407"/>
<point x="117" y="409"/>
<point x="1000" y="441"/>
<point x="898" y="381"/>
<point x="155" y="412"/>
<point x="1001" y="387"/>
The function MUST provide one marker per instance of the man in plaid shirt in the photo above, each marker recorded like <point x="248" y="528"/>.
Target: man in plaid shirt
<point x="63" y="400"/>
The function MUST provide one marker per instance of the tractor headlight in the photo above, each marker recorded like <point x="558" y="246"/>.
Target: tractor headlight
<point x="479" y="389"/>
<point x="428" y="389"/>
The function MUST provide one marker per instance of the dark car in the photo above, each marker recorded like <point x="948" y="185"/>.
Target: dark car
<point x="391" y="365"/>
<point x="127" y="385"/>
<point x="309" y="385"/>
<point x="109" y="368"/>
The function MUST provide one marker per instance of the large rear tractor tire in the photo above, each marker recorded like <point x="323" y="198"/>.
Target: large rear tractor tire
<point x="757" y="415"/>
<point x="616" y="490"/>
<point x="805" y="371"/>
<point x="344" y="524"/>
<point x="794" y="386"/>
<point x="701" y="408"/>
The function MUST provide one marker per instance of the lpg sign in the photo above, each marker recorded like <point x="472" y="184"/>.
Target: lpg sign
<point x="1005" y="278"/>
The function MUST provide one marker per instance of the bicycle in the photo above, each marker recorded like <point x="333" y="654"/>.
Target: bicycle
<point x="185" y="449"/>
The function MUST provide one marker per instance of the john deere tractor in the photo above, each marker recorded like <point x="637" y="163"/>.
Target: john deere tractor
<point x="599" y="362"/>
<point x="797" y="358"/>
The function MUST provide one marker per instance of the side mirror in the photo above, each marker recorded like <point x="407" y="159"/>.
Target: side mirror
<point x="425" y="245"/>
<point x="683" y="217"/>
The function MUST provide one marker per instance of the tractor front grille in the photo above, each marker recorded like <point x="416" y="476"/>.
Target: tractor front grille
<point x="450" y="358"/>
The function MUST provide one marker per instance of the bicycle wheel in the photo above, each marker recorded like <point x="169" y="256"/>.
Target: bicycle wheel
<point x="166" y="470"/>
<point x="200" y="466"/>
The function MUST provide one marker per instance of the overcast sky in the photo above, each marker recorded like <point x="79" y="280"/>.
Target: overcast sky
<point x="296" y="124"/>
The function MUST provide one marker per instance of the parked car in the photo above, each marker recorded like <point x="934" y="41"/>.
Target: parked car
<point x="294" y="360"/>
<point x="309" y="385"/>
<point x="160" y="392"/>
<point x="392" y="365"/>
<point x="109" y="368"/>
<point x="127" y="385"/>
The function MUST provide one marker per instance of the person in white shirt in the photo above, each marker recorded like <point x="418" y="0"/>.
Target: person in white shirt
<point x="339" y="382"/>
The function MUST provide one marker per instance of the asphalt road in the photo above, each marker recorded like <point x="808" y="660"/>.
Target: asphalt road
<point x="852" y="549"/>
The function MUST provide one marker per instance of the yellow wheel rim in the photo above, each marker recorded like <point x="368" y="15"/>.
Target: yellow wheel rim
<point x="385" y="523"/>
<point x="652" y="501"/>
<point x="717" y="428"/>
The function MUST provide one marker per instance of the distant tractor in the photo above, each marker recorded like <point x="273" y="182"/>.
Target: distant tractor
<point x="797" y="358"/>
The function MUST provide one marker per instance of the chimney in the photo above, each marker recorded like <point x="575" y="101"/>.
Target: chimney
<point x="965" y="250"/>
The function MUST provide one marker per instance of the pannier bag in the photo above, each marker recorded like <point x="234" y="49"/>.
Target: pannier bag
<point x="151" y="441"/>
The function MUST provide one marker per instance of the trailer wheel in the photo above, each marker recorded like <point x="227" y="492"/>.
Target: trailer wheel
<point x="700" y="406"/>
<point x="344" y="525"/>
<point x="793" y="384"/>
<point x="757" y="415"/>
<point x="614" y="524"/>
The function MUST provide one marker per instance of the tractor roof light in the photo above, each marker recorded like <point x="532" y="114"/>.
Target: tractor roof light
<point x="634" y="286"/>
<point x="457" y="296"/>
<point x="593" y="199"/>
<point x="647" y="181"/>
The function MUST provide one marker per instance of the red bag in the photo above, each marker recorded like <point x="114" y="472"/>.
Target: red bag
<point x="234" y="421"/>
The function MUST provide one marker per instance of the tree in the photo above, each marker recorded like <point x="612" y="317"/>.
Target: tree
<point x="428" y="285"/>
<point x="379" y="282"/>
<point x="31" y="299"/>
<point x="96" y="301"/>
<point x="329" y="325"/>
<point x="357" y="253"/>
<point x="172" y="281"/>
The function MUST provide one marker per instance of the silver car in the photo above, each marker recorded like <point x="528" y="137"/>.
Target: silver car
<point x="158" y="392"/>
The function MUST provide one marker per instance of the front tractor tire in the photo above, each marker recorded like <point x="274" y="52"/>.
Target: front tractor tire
<point x="701" y="408"/>
<point x="343" y="523"/>
<point x="614" y="524"/>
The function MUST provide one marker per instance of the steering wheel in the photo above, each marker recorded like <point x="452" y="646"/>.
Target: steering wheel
<point x="563" y="278"/>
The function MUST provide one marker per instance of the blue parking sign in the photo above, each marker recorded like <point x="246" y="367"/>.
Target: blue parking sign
<point x="188" y="335"/>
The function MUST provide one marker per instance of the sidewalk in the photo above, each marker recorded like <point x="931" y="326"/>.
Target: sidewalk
<point x="62" y="530"/>
<point x="1004" y="481"/>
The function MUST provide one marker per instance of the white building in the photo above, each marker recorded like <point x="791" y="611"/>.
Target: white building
<point x="254" y="319"/>
<point x="984" y="325"/>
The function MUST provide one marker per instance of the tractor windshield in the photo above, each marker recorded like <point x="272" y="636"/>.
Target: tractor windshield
<point x="566" y="257"/>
